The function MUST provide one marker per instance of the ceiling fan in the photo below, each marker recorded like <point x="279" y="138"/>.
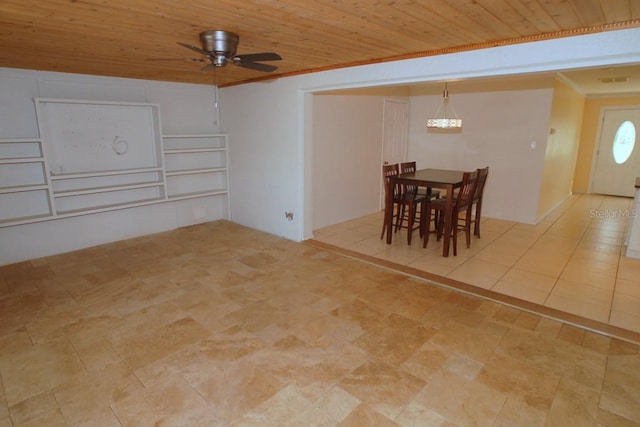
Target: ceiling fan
<point x="219" y="48"/>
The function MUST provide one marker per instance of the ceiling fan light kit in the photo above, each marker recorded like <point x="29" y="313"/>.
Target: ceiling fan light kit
<point x="442" y="121"/>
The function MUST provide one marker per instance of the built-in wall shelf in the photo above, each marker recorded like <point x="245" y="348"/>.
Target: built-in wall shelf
<point x="98" y="156"/>
<point x="195" y="165"/>
<point x="25" y="194"/>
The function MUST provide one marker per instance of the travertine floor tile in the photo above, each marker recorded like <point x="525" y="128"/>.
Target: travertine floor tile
<point x="338" y="404"/>
<point x="32" y="408"/>
<point x="416" y="415"/>
<point x="39" y="369"/>
<point x="520" y="380"/>
<point x="467" y="341"/>
<point x="622" y="377"/>
<point x="517" y="413"/>
<point x="573" y="404"/>
<point x="555" y="356"/>
<point x="614" y="410"/>
<point x="461" y="401"/>
<point x="396" y="340"/>
<point x="364" y="415"/>
<point x="99" y="389"/>
<point x="383" y="387"/>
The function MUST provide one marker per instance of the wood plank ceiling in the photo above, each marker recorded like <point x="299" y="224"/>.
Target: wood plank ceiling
<point x="120" y="37"/>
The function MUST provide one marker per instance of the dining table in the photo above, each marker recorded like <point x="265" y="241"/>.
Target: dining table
<point x="446" y="179"/>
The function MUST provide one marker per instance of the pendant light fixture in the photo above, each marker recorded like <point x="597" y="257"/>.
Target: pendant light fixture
<point x="442" y="119"/>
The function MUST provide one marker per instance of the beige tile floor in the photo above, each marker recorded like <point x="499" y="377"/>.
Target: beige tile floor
<point x="220" y="325"/>
<point x="572" y="261"/>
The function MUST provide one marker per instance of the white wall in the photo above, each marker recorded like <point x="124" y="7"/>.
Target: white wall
<point x="184" y="109"/>
<point x="262" y="121"/>
<point x="271" y="123"/>
<point x="498" y="129"/>
<point x="347" y="154"/>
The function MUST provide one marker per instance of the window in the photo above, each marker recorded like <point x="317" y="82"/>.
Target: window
<point x="623" y="142"/>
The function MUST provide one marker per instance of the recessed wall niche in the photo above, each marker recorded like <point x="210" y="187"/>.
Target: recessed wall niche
<point x="93" y="156"/>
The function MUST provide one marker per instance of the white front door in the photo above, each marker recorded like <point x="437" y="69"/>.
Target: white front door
<point x="395" y="129"/>
<point x="617" y="159"/>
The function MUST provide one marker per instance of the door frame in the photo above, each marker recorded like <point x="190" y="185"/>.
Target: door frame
<point x="598" y="141"/>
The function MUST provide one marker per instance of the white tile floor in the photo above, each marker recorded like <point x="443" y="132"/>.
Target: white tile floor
<point x="572" y="261"/>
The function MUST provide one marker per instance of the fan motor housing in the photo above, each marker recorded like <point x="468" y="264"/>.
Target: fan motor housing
<point x="219" y="42"/>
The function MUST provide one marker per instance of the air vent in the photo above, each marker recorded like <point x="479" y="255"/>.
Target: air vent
<point x="620" y="79"/>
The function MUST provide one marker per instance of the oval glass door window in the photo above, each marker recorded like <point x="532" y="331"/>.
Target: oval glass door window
<point x="623" y="142"/>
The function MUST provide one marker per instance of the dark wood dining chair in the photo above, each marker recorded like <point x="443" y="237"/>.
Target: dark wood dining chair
<point x="390" y="191"/>
<point x="460" y="212"/>
<point x="405" y="204"/>
<point x="483" y="173"/>
<point x="424" y="194"/>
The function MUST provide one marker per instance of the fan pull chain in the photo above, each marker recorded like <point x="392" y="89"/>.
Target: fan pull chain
<point x="215" y="85"/>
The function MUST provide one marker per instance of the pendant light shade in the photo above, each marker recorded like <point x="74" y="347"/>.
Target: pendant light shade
<point x="443" y="120"/>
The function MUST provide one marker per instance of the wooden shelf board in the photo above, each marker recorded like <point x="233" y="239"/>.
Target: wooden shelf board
<point x="95" y="190"/>
<point x="194" y="171"/>
<point x="105" y="208"/>
<point x="104" y="173"/>
<point x="204" y="135"/>
<point x="19" y="140"/>
<point x="17" y="160"/>
<point x="23" y="188"/>
<point x="25" y="220"/>
<point x="197" y="194"/>
<point x="193" y="150"/>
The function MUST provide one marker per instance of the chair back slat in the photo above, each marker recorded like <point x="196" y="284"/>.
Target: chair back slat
<point x="409" y="167"/>
<point x="389" y="171"/>
<point x="467" y="189"/>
